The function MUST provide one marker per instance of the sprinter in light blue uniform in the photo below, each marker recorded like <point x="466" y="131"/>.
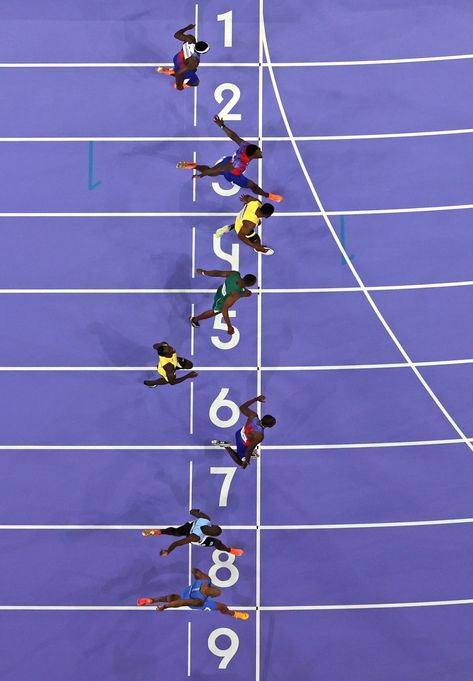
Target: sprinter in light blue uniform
<point x="199" y="531"/>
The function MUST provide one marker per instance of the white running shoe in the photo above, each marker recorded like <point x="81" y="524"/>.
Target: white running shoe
<point x="222" y="230"/>
<point x="220" y="443"/>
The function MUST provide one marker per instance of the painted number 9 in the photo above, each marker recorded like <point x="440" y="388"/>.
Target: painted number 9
<point x="228" y="653"/>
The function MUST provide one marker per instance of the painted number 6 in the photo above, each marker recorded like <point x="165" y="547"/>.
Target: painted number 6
<point x="220" y="402"/>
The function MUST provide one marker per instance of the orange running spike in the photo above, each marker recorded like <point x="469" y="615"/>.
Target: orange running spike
<point x="151" y="533"/>
<point x="144" y="601"/>
<point x="237" y="552"/>
<point x="166" y="71"/>
<point x="241" y="615"/>
<point x="186" y="165"/>
<point x="275" y="197"/>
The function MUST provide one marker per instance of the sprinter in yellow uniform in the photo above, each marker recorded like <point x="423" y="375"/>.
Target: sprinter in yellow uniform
<point x="246" y="222"/>
<point x="168" y="363"/>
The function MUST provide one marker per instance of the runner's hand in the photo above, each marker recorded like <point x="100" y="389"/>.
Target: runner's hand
<point x="261" y="398"/>
<point x="164" y="552"/>
<point x="219" y="121"/>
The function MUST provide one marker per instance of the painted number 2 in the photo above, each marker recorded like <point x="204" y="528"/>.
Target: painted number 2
<point x="225" y="112"/>
<point x="228" y="653"/>
<point x="227" y="19"/>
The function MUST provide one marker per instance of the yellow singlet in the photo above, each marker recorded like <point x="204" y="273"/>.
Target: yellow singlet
<point x="248" y="212"/>
<point x="166" y="360"/>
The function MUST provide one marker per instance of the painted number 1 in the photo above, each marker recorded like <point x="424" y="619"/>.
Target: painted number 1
<point x="227" y="19"/>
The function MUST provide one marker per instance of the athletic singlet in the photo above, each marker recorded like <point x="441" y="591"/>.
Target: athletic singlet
<point x="193" y="591"/>
<point x="248" y="212"/>
<point x="166" y="360"/>
<point x="197" y="529"/>
<point x="188" y="50"/>
<point x="253" y="426"/>
<point x="240" y="160"/>
<point x="230" y="285"/>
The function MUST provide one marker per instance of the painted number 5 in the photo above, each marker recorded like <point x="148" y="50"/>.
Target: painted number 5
<point x="232" y="102"/>
<point x="228" y="653"/>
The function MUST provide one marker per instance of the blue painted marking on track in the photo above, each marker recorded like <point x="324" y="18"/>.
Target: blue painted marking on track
<point x="91" y="184"/>
<point x="342" y="239"/>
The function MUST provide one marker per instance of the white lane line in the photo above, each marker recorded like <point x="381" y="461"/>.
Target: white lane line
<point x="349" y="262"/>
<point x="189" y="644"/>
<point x="193" y="254"/>
<point x="192" y="331"/>
<point x="259" y="360"/>
<point x="285" y="447"/>
<point x="262" y="608"/>
<point x="251" y="528"/>
<point x="343" y="289"/>
<point x="357" y="62"/>
<point x="291" y="214"/>
<point x="302" y="138"/>
<point x="191" y="408"/>
<point x="315" y="367"/>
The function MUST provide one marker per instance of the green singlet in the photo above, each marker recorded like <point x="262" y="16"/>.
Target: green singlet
<point x="228" y="287"/>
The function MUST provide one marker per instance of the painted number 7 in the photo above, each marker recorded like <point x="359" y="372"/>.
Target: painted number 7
<point x="227" y="18"/>
<point x="227" y="481"/>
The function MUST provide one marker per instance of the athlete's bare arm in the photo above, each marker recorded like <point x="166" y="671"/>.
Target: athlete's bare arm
<point x="181" y="34"/>
<point x="214" y="273"/>
<point x="180" y="603"/>
<point x="181" y="542"/>
<point x="198" y="574"/>
<point x="197" y="513"/>
<point x="171" y="375"/>
<point x="245" y="407"/>
<point x="247" y="198"/>
<point x="230" y="133"/>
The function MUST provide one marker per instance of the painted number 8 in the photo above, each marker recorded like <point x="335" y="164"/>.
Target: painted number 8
<point x="220" y="564"/>
<point x="226" y="654"/>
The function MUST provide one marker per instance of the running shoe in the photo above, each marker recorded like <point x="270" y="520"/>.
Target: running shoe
<point x="194" y="322"/>
<point x="186" y="165"/>
<point x="275" y="197"/>
<point x="241" y="615"/>
<point x="164" y="69"/>
<point x="237" y="552"/>
<point x="222" y="230"/>
<point x="144" y="601"/>
<point x="220" y="443"/>
<point x="151" y="533"/>
<point x="150" y="384"/>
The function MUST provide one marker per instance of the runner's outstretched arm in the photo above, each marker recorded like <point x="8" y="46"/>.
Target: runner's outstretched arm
<point x="214" y="273"/>
<point x="181" y="34"/>
<point x="230" y="133"/>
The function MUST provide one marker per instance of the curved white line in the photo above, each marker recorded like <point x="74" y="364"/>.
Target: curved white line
<point x="265" y="608"/>
<point x="302" y="138"/>
<point x="353" y="269"/>
<point x="282" y="214"/>
<point x="357" y="62"/>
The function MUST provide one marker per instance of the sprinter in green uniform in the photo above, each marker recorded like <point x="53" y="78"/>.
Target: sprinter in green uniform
<point x="233" y="288"/>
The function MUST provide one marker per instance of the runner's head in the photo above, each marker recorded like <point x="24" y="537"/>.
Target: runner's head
<point x="165" y="350"/>
<point x="201" y="47"/>
<point x="253" y="151"/>
<point x="268" y="421"/>
<point x="265" y="211"/>
<point x="249" y="280"/>
<point x="212" y="530"/>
